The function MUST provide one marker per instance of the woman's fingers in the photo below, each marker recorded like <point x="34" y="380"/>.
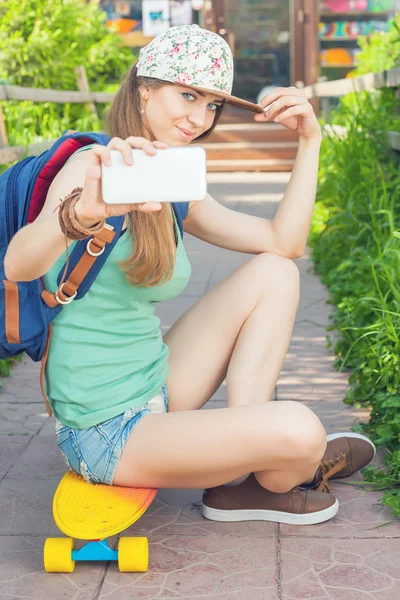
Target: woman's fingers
<point x="121" y="145"/>
<point x="102" y="153"/>
<point x="161" y="145"/>
<point x="293" y="111"/>
<point x="142" y="144"/>
<point x="93" y="169"/>
<point x="283" y="103"/>
<point x="281" y="91"/>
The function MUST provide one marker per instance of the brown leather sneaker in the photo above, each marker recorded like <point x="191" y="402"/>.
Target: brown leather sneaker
<point x="345" y="454"/>
<point x="356" y="449"/>
<point x="249" y="501"/>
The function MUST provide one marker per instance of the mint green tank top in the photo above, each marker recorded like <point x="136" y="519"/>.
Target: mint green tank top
<point x="106" y="352"/>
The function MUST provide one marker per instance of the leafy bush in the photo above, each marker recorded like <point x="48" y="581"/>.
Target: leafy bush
<point x="41" y="42"/>
<point x="380" y="51"/>
<point x="355" y="247"/>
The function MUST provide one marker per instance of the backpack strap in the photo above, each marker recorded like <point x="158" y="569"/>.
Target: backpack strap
<point x="81" y="249"/>
<point x="95" y="247"/>
<point x="96" y="252"/>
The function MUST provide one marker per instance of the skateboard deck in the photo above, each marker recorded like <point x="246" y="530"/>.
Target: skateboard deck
<point x="95" y="511"/>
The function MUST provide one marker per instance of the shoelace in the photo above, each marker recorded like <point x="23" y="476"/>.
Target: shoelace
<point x="329" y="468"/>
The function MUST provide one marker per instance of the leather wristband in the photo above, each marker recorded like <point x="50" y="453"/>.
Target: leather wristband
<point x="68" y="222"/>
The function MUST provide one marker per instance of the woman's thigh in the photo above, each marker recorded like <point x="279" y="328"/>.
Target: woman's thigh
<point x="204" y="448"/>
<point x="202" y="340"/>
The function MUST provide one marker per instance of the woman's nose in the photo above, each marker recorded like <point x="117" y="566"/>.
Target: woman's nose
<point x="198" y="117"/>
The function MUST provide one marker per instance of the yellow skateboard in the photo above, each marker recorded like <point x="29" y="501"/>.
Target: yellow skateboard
<point x="94" y="512"/>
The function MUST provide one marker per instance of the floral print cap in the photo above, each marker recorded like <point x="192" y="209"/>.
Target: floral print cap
<point x="194" y="57"/>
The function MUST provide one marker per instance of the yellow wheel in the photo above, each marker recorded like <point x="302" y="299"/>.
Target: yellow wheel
<point x="58" y="555"/>
<point x="133" y="554"/>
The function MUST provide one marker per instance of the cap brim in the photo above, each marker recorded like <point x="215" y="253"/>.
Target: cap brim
<point x="228" y="98"/>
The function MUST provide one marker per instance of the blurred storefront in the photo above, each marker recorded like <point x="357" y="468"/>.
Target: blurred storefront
<point x="341" y="23"/>
<point x="274" y="42"/>
<point x="138" y="21"/>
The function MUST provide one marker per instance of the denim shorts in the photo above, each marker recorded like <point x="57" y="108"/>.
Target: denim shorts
<point x="94" y="452"/>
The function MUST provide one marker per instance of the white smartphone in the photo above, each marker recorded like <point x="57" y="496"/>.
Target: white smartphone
<point x="171" y="175"/>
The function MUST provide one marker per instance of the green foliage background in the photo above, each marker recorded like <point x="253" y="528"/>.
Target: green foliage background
<point x="41" y="42"/>
<point x="355" y="246"/>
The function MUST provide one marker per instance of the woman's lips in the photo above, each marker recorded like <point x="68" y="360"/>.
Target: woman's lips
<point x="184" y="134"/>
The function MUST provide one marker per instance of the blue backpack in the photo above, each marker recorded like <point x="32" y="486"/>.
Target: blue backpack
<point x="26" y="308"/>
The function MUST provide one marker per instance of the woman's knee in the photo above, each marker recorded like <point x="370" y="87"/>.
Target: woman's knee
<point x="279" y="271"/>
<point x="302" y="434"/>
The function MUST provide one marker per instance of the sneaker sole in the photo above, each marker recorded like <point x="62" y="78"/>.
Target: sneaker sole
<point x="334" y="436"/>
<point x="214" y="514"/>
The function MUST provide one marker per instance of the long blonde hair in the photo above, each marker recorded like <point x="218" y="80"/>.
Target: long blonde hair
<point x="154" y="234"/>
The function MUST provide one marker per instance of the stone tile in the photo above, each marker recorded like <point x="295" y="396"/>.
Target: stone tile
<point x="170" y="310"/>
<point x="22" y="573"/>
<point x="221" y="393"/>
<point x="336" y="416"/>
<point x="49" y="427"/>
<point x="41" y="459"/>
<point x="223" y="269"/>
<point x="317" y="310"/>
<point x="338" y="569"/>
<point x="23" y="386"/>
<point x="172" y="497"/>
<point x="213" y="404"/>
<point x="304" y="356"/>
<point x="22" y="418"/>
<point x="169" y="515"/>
<point x="310" y="384"/>
<point x="195" y="289"/>
<point x="11" y="447"/>
<point x="361" y="515"/>
<point x="26" y="507"/>
<point x="224" y="567"/>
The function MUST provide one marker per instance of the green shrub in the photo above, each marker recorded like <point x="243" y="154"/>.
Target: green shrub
<point x="355" y="247"/>
<point x="41" y="42"/>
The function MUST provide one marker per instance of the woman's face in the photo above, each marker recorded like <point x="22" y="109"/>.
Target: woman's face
<point x="177" y="115"/>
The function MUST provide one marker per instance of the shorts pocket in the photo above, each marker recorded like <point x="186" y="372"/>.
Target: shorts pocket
<point x="63" y="434"/>
<point x="84" y="464"/>
<point x="64" y="444"/>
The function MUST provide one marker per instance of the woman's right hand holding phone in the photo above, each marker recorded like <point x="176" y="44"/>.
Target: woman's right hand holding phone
<point x="91" y="208"/>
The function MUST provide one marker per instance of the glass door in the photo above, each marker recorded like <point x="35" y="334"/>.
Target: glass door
<point x="259" y="31"/>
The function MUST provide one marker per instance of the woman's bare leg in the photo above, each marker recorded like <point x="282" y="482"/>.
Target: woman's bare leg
<point x="240" y="330"/>
<point x="202" y="449"/>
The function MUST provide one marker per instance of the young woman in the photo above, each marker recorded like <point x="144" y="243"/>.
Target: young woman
<point x="126" y="399"/>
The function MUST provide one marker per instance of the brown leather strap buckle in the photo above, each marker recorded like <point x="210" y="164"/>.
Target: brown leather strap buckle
<point x="91" y="251"/>
<point x="99" y="240"/>
<point x="67" y="300"/>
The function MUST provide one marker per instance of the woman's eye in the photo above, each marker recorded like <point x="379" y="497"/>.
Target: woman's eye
<point x="186" y="94"/>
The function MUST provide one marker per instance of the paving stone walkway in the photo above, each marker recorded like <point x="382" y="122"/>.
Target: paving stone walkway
<point x="355" y="556"/>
